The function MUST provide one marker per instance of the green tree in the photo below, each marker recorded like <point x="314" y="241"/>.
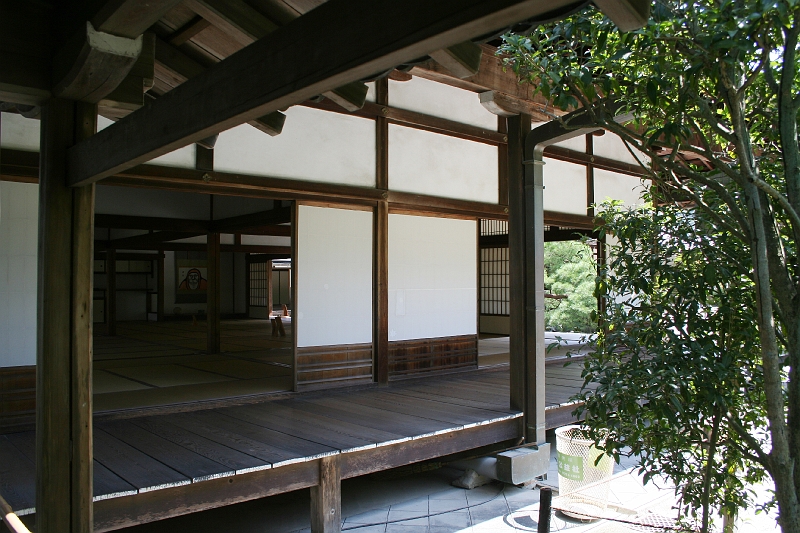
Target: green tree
<point x="715" y="90"/>
<point x="570" y="270"/>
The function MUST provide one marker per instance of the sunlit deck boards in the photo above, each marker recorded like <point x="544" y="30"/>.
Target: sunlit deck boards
<point x="152" y="467"/>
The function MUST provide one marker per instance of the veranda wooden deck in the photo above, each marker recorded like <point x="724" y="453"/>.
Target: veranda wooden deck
<point x="152" y="467"/>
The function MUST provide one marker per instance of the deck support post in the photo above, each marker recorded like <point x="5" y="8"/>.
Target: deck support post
<point x="213" y="294"/>
<point x="573" y="125"/>
<point x="111" y="292"/>
<point x="64" y="327"/>
<point x="326" y="498"/>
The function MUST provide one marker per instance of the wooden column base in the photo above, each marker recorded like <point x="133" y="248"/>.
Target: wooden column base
<point x="326" y="498"/>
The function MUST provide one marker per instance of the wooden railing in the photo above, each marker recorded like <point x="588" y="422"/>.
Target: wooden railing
<point x="11" y="520"/>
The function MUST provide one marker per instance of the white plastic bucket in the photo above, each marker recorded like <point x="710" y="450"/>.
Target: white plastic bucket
<point x="577" y="469"/>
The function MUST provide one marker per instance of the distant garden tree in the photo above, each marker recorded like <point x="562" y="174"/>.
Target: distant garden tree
<point x="698" y="363"/>
<point x="570" y="270"/>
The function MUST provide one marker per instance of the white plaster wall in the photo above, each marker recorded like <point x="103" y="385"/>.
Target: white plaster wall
<point x="334" y="276"/>
<point x="428" y="163"/>
<point x="314" y="146"/>
<point x="577" y="144"/>
<point x="615" y="186"/>
<point x="19" y="133"/>
<point x="432" y="277"/>
<point x="612" y="147"/>
<point x="440" y="100"/>
<point x="19" y="211"/>
<point x="564" y="187"/>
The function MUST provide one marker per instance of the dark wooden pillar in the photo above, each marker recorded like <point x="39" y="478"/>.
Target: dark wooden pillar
<point x="64" y="328"/>
<point x="160" y="287"/>
<point x="518" y="127"/>
<point x="326" y="498"/>
<point x="213" y="294"/>
<point x="268" y="269"/>
<point x="381" y="293"/>
<point x="380" y="268"/>
<point x="111" y="292"/>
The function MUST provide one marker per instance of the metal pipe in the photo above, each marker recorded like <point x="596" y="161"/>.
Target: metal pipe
<point x="545" y="501"/>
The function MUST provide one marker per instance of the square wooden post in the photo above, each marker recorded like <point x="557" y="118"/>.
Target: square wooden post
<point x="64" y="327"/>
<point x="326" y="498"/>
<point x="111" y="292"/>
<point x="268" y="269"/>
<point x="380" y="268"/>
<point x="160" y="287"/>
<point x="213" y="294"/>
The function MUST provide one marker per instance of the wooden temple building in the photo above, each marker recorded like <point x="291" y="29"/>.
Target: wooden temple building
<point x="249" y="247"/>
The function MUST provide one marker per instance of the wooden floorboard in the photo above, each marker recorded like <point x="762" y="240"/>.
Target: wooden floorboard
<point x="371" y="427"/>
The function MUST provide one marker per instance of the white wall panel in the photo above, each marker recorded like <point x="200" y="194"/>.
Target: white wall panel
<point x="19" y="211"/>
<point x="564" y="187"/>
<point x="428" y="163"/>
<point x="432" y="277"/>
<point x="19" y="133"/>
<point x="314" y="146"/>
<point x="440" y="100"/>
<point x="334" y="277"/>
<point x="615" y="186"/>
<point x="612" y="147"/>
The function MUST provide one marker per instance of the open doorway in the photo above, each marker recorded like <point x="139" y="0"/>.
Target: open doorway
<point x="181" y="290"/>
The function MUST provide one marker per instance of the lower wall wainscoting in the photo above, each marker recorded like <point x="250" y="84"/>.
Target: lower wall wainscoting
<point x="322" y="367"/>
<point x="422" y="356"/>
<point x="17" y="398"/>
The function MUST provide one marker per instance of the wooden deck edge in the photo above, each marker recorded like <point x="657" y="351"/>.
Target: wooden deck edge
<point x="126" y="511"/>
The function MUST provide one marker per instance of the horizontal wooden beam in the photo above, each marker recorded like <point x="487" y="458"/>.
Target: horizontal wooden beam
<point x="603" y="163"/>
<point x="463" y="59"/>
<point x="504" y="105"/>
<point x="278" y="251"/>
<point x="361" y="37"/>
<point x="150" y="223"/>
<point x="148" y="241"/>
<point x="130" y="18"/>
<point x="240" y="224"/>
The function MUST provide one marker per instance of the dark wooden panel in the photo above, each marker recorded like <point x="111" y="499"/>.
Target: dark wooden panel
<point x="333" y="366"/>
<point x="17" y="398"/>
<point x="385" y="457"/>
<point x="418" y="356"/>
<point x="150" y="506"/>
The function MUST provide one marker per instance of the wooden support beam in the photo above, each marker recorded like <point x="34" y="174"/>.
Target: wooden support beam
<point x="269" y="287"/>
<point x="463" y="59"/>
<point x="326" y="498"/>
<point x="362" y="37"/>
<point x="179" y="67"/>
<point x="111" y="292"/>
<point x="504" y="105"/>
<point x="188" y="30"/>
<point x="213" y="294"/>
<point x="64" y="332"/>
<point x="92" y="64"/>
<point x="236" y="18"/>
<point x="129" y="94"/>
<point x="150" y="223"/>
<point x="148" y="241"/>
<point x="130" y="18"/>
<point x="628" y="15"/>
<point x="351" y="96"/>
<point x="239" y="224"/>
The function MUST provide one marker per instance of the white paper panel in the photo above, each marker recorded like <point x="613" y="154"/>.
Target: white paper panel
<point x="314" y="146"/>
<point x="19" y="133"/>
<point x="19" y="211"/>
<point x="617" y="187"/>
<point x="440" y="100"/>
<point x="612" y="147"/>
<point x="564" y="187"/>
<point x="428" y="163"/>
<point x="432" y="277"/>
<point x="334" y="277"/>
